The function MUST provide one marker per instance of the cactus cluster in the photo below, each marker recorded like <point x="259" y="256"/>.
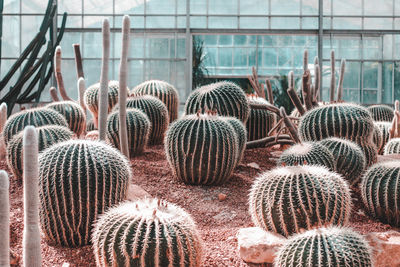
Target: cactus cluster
<point x="349" y="158"/>
<point x="164" y="91"/>
<point x="381" y="113"/>
<point x="227" y="98"/>
<point x="78" y="179"/>
<point x="308" y="153"/>
<point x="288" y="199"/>
<point x="202" y="149"/>
<point x="330" y="246"/>
<point x="138" y="128"/>
<point x="381" y="135"/>
<point x="380" y="191"/>
<point x="392" y="147"/>
<point x="35" y="117"/>
<point x="147" y="232"/>
<point x="73" y="113"/>
<point x="260" y="121"/>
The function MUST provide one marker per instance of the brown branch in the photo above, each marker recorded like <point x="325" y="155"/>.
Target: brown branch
<point x="78" y="61"/>
<point x="270" y="141"/>
<point x="279" y="123"/>
<point x="269" y="92"/>
<point x="290" y="126"/>
<point x="59" y="78"/>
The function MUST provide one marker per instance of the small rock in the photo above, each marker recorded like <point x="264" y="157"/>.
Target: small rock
<point x="257" y="245"/>
<point x="221" y="197"/>
<point x="135" y="192"/>
<point x="386" y="248"/>
<point x="253" y="165"/>
<point x="65" y="264"/>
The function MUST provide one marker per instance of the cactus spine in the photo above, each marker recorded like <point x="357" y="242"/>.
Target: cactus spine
<point x="381" y="113"/>
<point x="31" y="237"/>
<point x="392" y="147"/>
<point x="4" y="219"/>
<point x="73" y="113"/>
<point x="147" y="232"/>
<point x="260" y="121"/>
<point x="288" y="199"/>
<point x="332" y="246"/>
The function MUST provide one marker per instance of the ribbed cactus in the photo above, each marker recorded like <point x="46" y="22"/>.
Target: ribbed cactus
<point x="4" y="219"/>
<point x="286" y="200"/>
<point x="308" y="153"/>
<point x="164" y="91"/>
<point x="380" y="191"/>
<point x="225" y="97"/>
<point x="147" y="232"/>
<point x="392" y="147"/>
<point x="202" y="149"/>
<point x="381" y="135"/>
<point x="138" y="128"/>
<point x="90" y="125"/>
<point x="321" y="247"/>
<point x="157" y="113"/>
<point x="78" y="180"/>
<point x="241" y="133"/>
<point x="260" y="121"/>
<point x="35" y="117"/>
<point x="3" y="119"/>
<point x="73" y="113"/>
<point x="381" y="113"/>
<point x="370" y="152"/>
<point x="349" y="158"/>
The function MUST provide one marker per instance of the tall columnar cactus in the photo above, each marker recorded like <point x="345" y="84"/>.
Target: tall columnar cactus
<point x="381" y="112"/>
<point x="380" y="191"/>
<point x="73" y="113"/>
<point x="81" y="93"/>
<point x="392" y="147"/>
<point x="78" y="180"/>
<point x="157" y="113"/>
<point x="260" y="121"/>
<point x="4" y="219"/>
<point x="381" y="135"/>
<point x="286" y="200"/>
<point x="47" y="136"/>
<point x="225" y="97"/>
<point x="331" y="246"/>
<point x="349" y="158"/>
<point x="31" y="237"/>
<point x="147" y="232"/>
<point x="3" y="119"/>
<point x="308" y="153"/>
<point x="201" y="149"/>
<point x="241" y="133"/>
<point x="138" y="129"/>
<point x="35" y="117"/>
<point x="164" y="91"/>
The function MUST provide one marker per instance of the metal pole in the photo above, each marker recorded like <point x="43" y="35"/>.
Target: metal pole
<point x="320" y="42"/>
<point x="188" y="51"/>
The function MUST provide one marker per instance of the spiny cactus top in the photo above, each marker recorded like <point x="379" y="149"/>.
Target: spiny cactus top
<point x="392" y="147"/>
<point x="164" y="91"/>
<point x="288" y="199"/>
<point x="225" y="97"/>
<point x="201" y="149"/>
<point x="36" y="117"/>
<point x="47" y="136"/>
<point x="260" y="121"/>
<point x="91" y="97"/>
<point x="73" y="113"/>
<point x="308" y="153"/>
<point x="380" y="191"/>
<point x="381" y="135"/>
<point x="321" y="247"/>
<point x="381" y="112"/>
<point x="78" y="180"/>
<point x="147" y="232"/>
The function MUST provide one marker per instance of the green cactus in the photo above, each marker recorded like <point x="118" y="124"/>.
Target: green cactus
<point x="164" y="91"/>
<point x="48" y="135"/>
<point x="147" y="232"/>
<point x="241" y="133"/>
<point x="349" y="158"/>
<point x="260" y="121"/>
<point x="392" y="147"/>
<point x="78" y="179"/>
<point x="138" y="128"/>
<point x="381" y="113"/>
<point x="90" y="126"/>
<point x="381" y="135"/>
<point x="225" y="97"/>
<point x="380" y="191"/>
<point x="202" y="149"/>
<point x="308" y="153"/>
<point x="331" y="246"/>
<point x="35" y="117"/>
<point x="286" y="200"/>
<point x="370" y="152"/>
<point x="73" y="113"/>
<point x="4" y="219"/>
<point x="157" y="113"/>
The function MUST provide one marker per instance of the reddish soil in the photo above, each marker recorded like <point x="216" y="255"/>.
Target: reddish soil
<point x="218" y="221"/>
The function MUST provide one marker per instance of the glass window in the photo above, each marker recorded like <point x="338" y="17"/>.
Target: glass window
<point x="254" y="7"/>
<point x="198" y="22"/>
<point x="160" y="22"/>
<point x="10" y="40"/>
<point x="370" y="75"/>
<point x="157" y="48"/>
<point x="378" y="23"/>
<point x="253" y="22"/>
<point x="135" y="72"/>
<point x="160" y="7"/>
<point x="352" y="76"/>
<point x="346" y="23"/>
<point x="279" y="7"/>
<point x="372" y="48"/>
<point x="222" y="22"/>
<point x="285" y="23"/>
<point x="387" y="75"/>
<point x="68" y="40"/>
<point x="70" y="6"/>
<point x="129" y="6"/>
<point x="72" y="21"/>
<point x="310" y="7"/>
<point x="97" y="6"/>
<point x="225" y="57"/>
<point x="33" y="6"/>
<point x="11" y="6"/>
<point x="344" y="7"/>
<point x="219" y="7"/>
<point x="380" y="7"/>
<point x="198" y="7"/>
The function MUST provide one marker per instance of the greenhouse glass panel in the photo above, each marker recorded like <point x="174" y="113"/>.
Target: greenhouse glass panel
<point x="309" y="23"/>
<point x="309" y="7"/>
<point x="279" y="7"/>
<point x="160" y="7"/>
<point x="352" y="76"/>
<point x="70" y="6"/>
<point x="31" y="26"/>
<point x="92" y="69"/>
<point x="157" y="48"/>
<point x="129" y="6"/>
<point x="198" y="7"/>
<point x="73" y="21"/>
<point x="285" y="23"/>
<point x="222" y="7"/>
<point x="225" y="57"/>
<point x="12" y="6"/>
<point x="379" y="7"/>
<point x="198" y="22"/>
<point x="137" y="22"/>
<point x="10" y="41"/>
<point x="370" y="75"/>
<point x="222" y="22"/>
<point x="253" y="23"/>
<point x="396" y="80"/>
<point x="160" y="22"/>
<point x="97" y="6"/>
<point x="372" y="48"/>
<point x="387" y="77"/>
<point x="378" y="23"/>
<point x="135" y="72"/>
<point x="347" y="23"/>
<point x="94" y="22"/>
<point x="254" y="7"/>
<point x="344" y="7"/>
<point x="33" y="6"/>
<point x="69" y="39"/>
<point x="370" y="96"/>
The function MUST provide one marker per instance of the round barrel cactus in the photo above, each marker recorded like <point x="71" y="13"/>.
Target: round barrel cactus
<point x="241" y="133"/>
<point x="138" y="128"/>
<point x="286" y="200"/>
<point x="392" y="147"/>
<point x="164" y="91"/>
<point x="90" y="126"/>
<point x="349" y="158"/>
<point x="380" y="191"/>
<point x="91" y="96"/>
<point x="381" y="113"/>
<point x="147" y="232"/>
<point x="370" y="152"/>
<point x="225" y="97"/>
<point x="35" y="117"/>
<point x="381" y="135"/>
<point x="260" y="121"/>
<point x="78" y="180"/>
<point x="308" y="153"/>
<point x="331" y="246"/>
<point x="157" y="113"/>
<point x="47" y="136"/>
<point x="202" y="149"/>
<point x="73" y="113"/>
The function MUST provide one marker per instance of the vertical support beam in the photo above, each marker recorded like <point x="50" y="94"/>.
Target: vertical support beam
<point x="189" y="48"/>
<point x="320" y="41"/>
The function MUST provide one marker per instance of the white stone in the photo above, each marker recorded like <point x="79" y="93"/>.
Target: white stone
<point x="253" y="165"/>
<point x="386" y="248"/>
